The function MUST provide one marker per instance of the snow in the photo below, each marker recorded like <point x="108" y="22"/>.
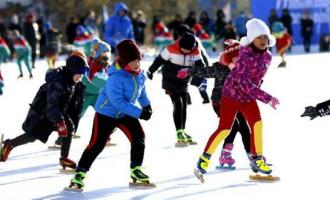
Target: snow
<point x="291" y="143"/>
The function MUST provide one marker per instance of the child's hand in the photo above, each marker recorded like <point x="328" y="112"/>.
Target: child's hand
<point x="182" y="73"/>
<point x="274" y="102"/>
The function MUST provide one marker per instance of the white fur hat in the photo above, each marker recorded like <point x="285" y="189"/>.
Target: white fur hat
<point x="255" y="28"/>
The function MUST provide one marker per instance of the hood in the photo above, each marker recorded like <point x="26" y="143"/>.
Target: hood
<point x="60" y="75"/>
<point x="119" y="7"/>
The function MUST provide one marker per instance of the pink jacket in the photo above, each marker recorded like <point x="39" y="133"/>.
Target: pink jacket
<point x="244" y="81"/>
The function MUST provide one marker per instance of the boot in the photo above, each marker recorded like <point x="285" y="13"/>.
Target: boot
<point x="77" y="180"/>
<point x="225" y="157"/>
<point x="5" y="150"/>
<point x="258" y="165"/>
<point x="189" y="139"/>
<point x="138" y="175"/>
<point x="181" y="140"/>
<point x="203" y="163"/>
<point x="66" y="162"/>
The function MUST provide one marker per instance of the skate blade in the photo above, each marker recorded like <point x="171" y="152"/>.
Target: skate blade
<point x="67" y="171"/>
<point x="181" y="144"/>
<point x="266" y="178"/>
<point x="199" y="175"/>
<point x="192" y="143"/>
<point x="141" y="185"/>
<point x="225" y="167"/>
<point x="54" y="147"/>
<point x="74" y="136"/>
<point x="73" y="189"/>
<point x="111" y="144"/>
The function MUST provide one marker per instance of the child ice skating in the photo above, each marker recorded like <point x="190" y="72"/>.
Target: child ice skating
<point x="23" y="53"/>
<point x="49" y="109"/>
<point x="184" y="53"/>
<point x="283" y="41"/>
<point x="220" y="70"/>
<point x="116" y="107"/>
<point x="239" y="94"/>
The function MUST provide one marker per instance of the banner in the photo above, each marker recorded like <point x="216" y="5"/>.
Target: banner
<point x="318" y="9"/>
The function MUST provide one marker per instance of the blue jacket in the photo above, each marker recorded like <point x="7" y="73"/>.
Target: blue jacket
<point x="117" y="27"/>
<point x="121" y="93"/>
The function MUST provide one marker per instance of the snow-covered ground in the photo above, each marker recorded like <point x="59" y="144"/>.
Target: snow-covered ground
<point x="297" y="147"/>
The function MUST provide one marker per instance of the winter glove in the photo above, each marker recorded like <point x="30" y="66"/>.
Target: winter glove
<point x="182" y="73"/>
<point x="62" y="129"/>
<point x="146" y="113"/>
<point x="202" y="87"/>
<point x="311" y="112"/>
<point x="150" y="75"/>
<point x="274" y="102"/>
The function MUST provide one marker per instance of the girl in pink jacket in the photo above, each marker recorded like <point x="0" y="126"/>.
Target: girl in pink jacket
<point x="241" y="92"/>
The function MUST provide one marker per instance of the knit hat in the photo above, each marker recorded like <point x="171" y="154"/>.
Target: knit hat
<point x="231" y="51"/>
<point x="128" y="51"/>
<point x="188" y="41"/>
<point x="255" y="28"/>
<point x="100" y="47"/>
<point x="278" y="27"/>
<point x="77" y="62"/>
<point x="184" y="28"/>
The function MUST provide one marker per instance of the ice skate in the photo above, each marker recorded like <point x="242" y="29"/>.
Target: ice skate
<point x="56" y="145"/>
<point x="67" y="163"/>
<point x="140" y="180"/>
<point x="5" y="149"/>
<point x="226" y="161"/>
<point x="282" y="64"/>
<point x="76" y="184"/>
<point x="20" y="76"/>
<point x="189" y="139"/>
<point x="202" y="165"/>
<point x="75" y="136"/>
<point x="109" y="144"/>
<point x="181" y="140"/>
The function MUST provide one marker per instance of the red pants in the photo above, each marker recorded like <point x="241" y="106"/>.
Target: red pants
<point x="228" y="112"/>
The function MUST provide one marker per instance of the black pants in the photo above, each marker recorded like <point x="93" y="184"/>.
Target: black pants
<point x="179" y="101"/>
<point x="103" y="126"/>
<point x="27" y="138"/>
<point x="239" y="125"/>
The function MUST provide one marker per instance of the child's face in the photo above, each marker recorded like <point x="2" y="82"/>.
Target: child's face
<point x="134" y="65"/>
<point x="77" y="77"/>
<point x="261" y="42"/>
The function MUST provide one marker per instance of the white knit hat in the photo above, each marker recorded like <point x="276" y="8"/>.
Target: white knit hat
<point x="255" y="28"/>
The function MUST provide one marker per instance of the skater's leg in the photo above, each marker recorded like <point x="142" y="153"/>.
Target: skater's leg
<point x="10" y="144"/>
<point x="19" y="63"/>
<point x="252" y="115"/>
<point x="133" y="130"/>
<point x="244" y="130"/>
<point x="102" y="128"/>
<point x="227" y="114"/>
<point x="27" y="61"/>
<point x="65" y="146"/>
<point x="232" y="134"/>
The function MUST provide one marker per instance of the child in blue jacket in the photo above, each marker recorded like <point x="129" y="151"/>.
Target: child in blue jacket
<point x="116" y="107"/>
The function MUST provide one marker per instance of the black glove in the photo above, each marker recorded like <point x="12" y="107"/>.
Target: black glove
<point x="150" y="75"/>
<point x="311" y="112"/>
<point x="146" y="113"/>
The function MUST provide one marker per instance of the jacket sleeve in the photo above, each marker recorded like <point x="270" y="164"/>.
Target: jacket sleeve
<point x="243" y="68"/>
<point x="324" y="107"/>
<point x="54" y="95"/>
<point x="159" y="61"/>
<point x="214" y="71"/>
<point x="115" y="92"/>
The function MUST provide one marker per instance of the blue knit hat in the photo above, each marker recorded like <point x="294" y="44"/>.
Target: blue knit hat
<point x="100" y="47"/>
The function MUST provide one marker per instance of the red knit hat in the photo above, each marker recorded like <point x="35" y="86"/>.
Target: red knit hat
<point x="231" y="51"/>
<point x="128" y="51"/>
